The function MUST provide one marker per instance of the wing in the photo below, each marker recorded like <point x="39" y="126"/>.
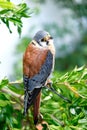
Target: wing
<point x="39" y="79"/>
<point x="34" y="84"/>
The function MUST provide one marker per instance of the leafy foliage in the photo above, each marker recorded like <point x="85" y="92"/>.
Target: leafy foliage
<point x="80" y="7"/>
<point x="9" y="12"/>
<point x="57" y="114"/>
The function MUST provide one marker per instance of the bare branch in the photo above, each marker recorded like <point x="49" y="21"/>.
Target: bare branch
<point x="13" y="94"/>
<point x="73" y="90"/>
<point x="16" y="82"/>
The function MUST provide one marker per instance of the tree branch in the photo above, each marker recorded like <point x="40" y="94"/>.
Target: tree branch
<point x="13" y="94"/>
<point x="16" y="82"/>
<point x="71" y="89"/>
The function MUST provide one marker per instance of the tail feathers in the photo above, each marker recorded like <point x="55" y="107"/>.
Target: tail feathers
<point x="26" y="97"/>
<point x="37" y="108"/>
<point x="29" y="98"/>
<point x="36" y="120"/>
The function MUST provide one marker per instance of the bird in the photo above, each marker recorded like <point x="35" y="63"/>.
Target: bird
<point x="38" y="65"/>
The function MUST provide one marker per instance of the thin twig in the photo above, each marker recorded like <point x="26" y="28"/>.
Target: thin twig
<point x="60" y="122"/>
<point x="70" y="88"/>
<point x="16" y="82"/>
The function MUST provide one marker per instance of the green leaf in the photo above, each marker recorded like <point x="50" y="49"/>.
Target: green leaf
<point x="7" y="24"/>
<point x="84" y="74"/>
<point x="15" y="129"/>
<point x="17" y="88"/>
<point x="3" y="82"/>
<point x="3" y="103"/>
<point x="19" y="30"/>
<point x="4" y="11"/>
<point x="16" y="21"/>
<point x="13" y="13"/>
<point x="7" y="5"/>
<point x="4" y="96"/>
<point x="22" y="7"/>
<point x="53" y="127"/>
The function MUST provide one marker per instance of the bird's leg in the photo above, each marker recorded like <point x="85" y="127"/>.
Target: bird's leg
<point x="48" y="83"/>
<point x="49" y="86"/>
<point x="40" y="118"/>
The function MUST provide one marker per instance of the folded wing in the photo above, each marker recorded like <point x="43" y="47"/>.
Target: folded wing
<point x="34" y="84"/>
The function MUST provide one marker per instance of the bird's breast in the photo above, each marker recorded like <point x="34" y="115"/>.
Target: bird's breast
<point x="33" y="60"/>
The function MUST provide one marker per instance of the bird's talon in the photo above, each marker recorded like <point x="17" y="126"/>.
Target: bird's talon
<point x="40" y="117"/>
<point x="49" y="84"/>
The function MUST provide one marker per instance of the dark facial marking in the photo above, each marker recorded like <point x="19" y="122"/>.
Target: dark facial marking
<point x="50" y="37"/>
<point x="47" y="42"/>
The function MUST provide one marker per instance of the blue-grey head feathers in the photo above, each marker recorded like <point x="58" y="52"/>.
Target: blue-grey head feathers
<point x="40" y="35"/>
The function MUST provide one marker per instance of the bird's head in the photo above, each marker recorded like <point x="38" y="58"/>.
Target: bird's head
<point x="43" y="38"/>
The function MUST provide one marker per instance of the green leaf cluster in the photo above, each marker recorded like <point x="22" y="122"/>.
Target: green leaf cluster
<point x="11" y="13"/>
<point x="79" y="7"/>
<point x="10" y="112"/>
<point x="58" y="114"/>
<point x="61" y="115"/>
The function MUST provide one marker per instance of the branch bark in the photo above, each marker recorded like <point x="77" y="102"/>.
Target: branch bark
<point x="13" y="94"/>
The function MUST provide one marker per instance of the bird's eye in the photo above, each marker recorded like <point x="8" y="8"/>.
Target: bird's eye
<point x="42" y="40"/>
